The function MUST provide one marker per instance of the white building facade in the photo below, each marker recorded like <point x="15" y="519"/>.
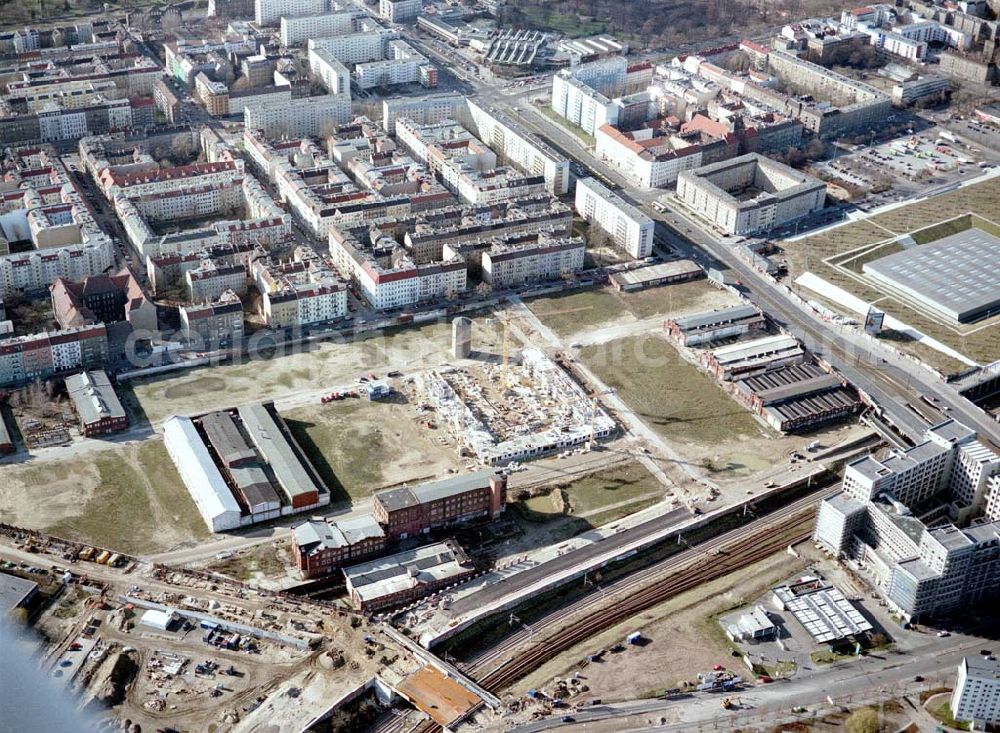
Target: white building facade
<point x="630" y="229"/>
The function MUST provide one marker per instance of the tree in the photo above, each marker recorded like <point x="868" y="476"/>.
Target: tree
<point x="864" y="720"/>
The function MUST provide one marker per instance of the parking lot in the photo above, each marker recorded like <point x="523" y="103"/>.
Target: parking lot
<point x="912" y="164"/>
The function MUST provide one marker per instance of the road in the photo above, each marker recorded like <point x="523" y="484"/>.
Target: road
<point x="891" y="380"/>
<point x="872" y="677"/>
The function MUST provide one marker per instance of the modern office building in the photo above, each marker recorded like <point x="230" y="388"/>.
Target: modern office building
<point x="921" y="523"/>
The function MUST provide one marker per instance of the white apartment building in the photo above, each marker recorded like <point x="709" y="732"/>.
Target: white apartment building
<point x="357" y="48"/>
<point x="399" y="11"/>
<point x="496" y="185"/>
<point x="427" y="110"/>
<point x="976" y="698"/>
<point x="329" y="71"/>
<point x="306" y="117"/>
<point x="400" y="285"/>
<point x="520" y="147"/>
<point x="36" y="270"/>
<point x="300" y="292"/>
<point x="269" y="12"/>
<point x="630" y="229"/>
<point x="296" y="30"/>
<point x="629" y="153"/>
<point x="209" y="281"/>
<point x="402" y="65"/>
<point x="512" y="263"/>
<point x="586" y="108"/>
<point x="583" y="94"/>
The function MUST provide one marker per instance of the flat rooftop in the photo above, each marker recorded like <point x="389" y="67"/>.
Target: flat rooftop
<point x="13" y="591"/>
<point x="441" y="697"/>
<point x="652" y="273"/>
<point x="716" y="318"/>
<point x="957" y="277"/>
<point x="822" y="609"/>
<point x="386" y="576"/>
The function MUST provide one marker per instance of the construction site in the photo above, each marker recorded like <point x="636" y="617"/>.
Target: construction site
<point x="167" y="648"/>
<point x="521" y="409"/>
<point x="43" y="417"/>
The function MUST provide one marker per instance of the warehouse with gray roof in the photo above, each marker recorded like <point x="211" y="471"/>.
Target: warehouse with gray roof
<point x="714" y="325"/>
<point x="797" y="396"/>
<point x="286" y="463"/>
<point x="407" y="576"/>
<point x="242" y="466"/>
<point x="96" y="403"/>
<point x="956" y="278"/>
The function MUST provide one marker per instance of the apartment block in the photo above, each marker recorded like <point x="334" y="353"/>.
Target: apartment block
<point x="629" y="229"/>
<point x="269" y="12"/>
<point x="367" y="44"/>
<point x="44" y="210"/>
<point x="210" y="280"/>
<point x="976" y="698"/>
<point x="213" y="325"/>
<point x="329" y="71"/>
<point x="297" y="29"/>
<point x="518" y="259"/>
<point x="519" y="146"/>
<point x="30" y="358"/>
<point x="399" y="11"/>
<point x="300" y="292"/>
<point x="583" y="94"/>
<point x="307" y="117"/>
<point x="750" y="194"/>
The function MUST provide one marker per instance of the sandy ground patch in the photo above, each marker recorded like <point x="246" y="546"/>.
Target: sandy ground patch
<point x="360" y="446"/>
<point x="128" y="498"/>
<point x="684" y="638"/>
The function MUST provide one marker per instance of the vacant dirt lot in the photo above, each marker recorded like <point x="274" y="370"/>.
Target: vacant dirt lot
<point x="576" y="313"/>
<point x="321" y="366"/>
<point x="360" y="446"/>
<point x="127" y="498"/>
<point x="684" y="638"/>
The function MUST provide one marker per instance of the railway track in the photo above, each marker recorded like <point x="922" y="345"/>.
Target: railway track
<point x="501" y="666"/>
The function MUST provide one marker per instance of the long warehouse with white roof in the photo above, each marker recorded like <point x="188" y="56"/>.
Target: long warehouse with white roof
<point x="203" y="479"/>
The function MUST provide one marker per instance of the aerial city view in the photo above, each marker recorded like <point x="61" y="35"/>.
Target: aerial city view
<point x="410" y="366"/>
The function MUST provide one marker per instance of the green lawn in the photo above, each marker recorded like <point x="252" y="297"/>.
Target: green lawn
<point x="566" y="124"/>
<point x="943" y="713"/>
<point x="569" y="25"/>
<point x="629" y="482"/>
<point x="135" y="497"/>
<point x="569" y="313"/>
<point x="670" y="395"/>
